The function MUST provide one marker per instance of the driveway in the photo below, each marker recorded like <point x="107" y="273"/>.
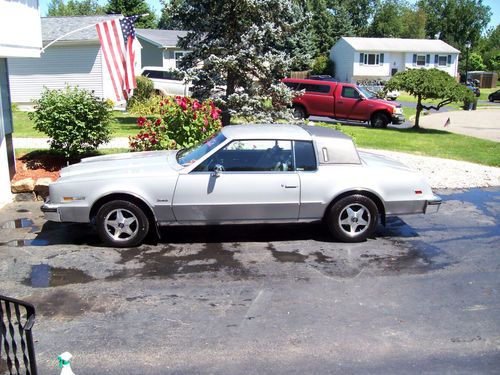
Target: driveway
<point x="482" y="123"/>
<point x="421" y="297"/>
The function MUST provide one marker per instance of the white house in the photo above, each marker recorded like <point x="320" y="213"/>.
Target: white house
<point x="20" y="36"/>
<point x="159" y="47"/>
<point x="358" y="59"/>
<point x="75" y="60"/>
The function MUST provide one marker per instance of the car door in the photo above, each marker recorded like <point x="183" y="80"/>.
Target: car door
<point x="247" y="180"/>
<point x="349" y="104"/>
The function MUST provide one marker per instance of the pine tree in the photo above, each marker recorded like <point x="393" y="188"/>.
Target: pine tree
<point x="131" y="8"/>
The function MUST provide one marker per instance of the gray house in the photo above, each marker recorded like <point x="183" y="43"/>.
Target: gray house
<point x="159" y="47"/>
<point x="75" y="60"/>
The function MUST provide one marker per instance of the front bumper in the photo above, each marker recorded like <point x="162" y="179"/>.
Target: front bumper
<point x="51" y="212"/>
<point x="398" y="118"/>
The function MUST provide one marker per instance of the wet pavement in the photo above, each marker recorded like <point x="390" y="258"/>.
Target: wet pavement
<point x="420" y="297"/>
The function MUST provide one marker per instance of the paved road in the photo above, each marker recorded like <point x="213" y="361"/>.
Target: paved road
<point x="423" y="297"/>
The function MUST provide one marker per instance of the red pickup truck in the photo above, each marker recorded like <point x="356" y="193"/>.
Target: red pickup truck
<point x="344" y="101"/>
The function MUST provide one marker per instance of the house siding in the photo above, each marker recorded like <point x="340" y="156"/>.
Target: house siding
<point x="343" y="56"/>
<point x="75" y="65"/>
<point x="151" y="54"/>
<point x="7" y="162"/>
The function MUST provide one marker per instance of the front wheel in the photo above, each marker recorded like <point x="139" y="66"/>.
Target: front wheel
<point x="353" y="218"/>
<point x="379" y="120"/>
<point x="122" y="224"/>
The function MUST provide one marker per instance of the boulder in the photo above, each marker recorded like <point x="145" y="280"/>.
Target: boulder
<point x="42" y="186"/>
<point x="23" y="186"/>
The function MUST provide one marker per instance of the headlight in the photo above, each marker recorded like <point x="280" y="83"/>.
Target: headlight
<point x="398" y="110"/>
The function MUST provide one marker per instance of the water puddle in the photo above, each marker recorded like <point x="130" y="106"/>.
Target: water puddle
<point x="286" y="256"/>
<point x="23" y="243"/>
<point x="45" y="276"/>
<point x="20" y="223"/>
<point x="483" y="199"/>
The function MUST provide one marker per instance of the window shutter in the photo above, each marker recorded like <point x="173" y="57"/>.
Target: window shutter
<point x="436" y="59"/>
<point x="414" y="59"/>
<point x="381" y="58"/>
<point x="361" y="58"/>
<point x="428" y="59"/>
<point x="449" y="59"/>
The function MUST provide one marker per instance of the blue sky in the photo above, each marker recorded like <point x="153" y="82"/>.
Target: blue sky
<point x="156" y="5"/>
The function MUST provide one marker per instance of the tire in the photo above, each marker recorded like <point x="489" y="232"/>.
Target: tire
<point x="490" y="98"/>
<point x="122" y="224"/>
<point x="353" y="218"/>
<point x="379" y="120"/>
<point x="299" y="112"/>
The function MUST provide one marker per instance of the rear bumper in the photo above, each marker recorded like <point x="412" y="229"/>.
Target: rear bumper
<point x="413" y="207"/>
<point x="432" y="205"/>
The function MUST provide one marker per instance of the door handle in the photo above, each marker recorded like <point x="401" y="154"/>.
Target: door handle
<point x="290" y="186"/>
<point x="340" y="102"/>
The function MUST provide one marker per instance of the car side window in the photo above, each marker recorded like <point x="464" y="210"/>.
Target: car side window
<point x="251" y="156"/>
<point x="311" y="87"/>
<point x="305" y="158"/>
<point x="350" y="92"/>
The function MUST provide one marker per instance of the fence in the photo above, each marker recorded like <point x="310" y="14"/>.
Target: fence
<point x="16" y="340"/>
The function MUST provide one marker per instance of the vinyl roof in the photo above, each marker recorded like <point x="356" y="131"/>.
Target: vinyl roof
<point x="400" y="45"/>
<point x="55" y="27"/>
<point x="161" y="38"/>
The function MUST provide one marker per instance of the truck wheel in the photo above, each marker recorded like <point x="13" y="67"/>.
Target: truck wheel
<point x="299" y="112"/>
<point x="122" y="224"/>
<point x="353" y="218"/>
<point x="379" y="120"/>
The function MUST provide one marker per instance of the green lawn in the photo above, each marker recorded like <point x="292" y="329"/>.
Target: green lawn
<point x="427" y="142"/>
<point x="122" y="125"/>
<point x="486" y="92"/>
<point x="405" y="97"/>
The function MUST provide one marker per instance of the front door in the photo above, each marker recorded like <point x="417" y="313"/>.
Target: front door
<point x="248" y="180"/>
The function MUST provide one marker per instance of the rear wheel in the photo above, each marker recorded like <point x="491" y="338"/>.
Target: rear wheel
<point x="299" y="112"/>
<point x="353" y="218"/>
<point x="379" y="120"/>
<point x="490" y="98"/>
<point x="122" y="224"/>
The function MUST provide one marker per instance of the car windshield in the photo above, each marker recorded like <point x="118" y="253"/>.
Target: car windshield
<point x="188" y="156"/>
<point x="368" y="94"/>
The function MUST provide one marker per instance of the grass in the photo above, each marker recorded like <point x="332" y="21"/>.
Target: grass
<point x="427" y="142"/>
<point x="122" y="125"/>
<point x="405" y="97"/>
<point x="486" y="92"/>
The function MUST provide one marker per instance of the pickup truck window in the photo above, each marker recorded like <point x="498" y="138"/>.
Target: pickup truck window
<point x="305" y="159"/>
<point x="311" y="87"/>
<point x="350" y="92"/>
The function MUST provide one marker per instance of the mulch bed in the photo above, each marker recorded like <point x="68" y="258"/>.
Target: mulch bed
<point x="38" y="164"/>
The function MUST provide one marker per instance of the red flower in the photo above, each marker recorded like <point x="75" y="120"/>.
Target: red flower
<point x="141" y="121"/>
<point x="195" y="116"/>
<point x="158" y="122"/>
<point x="205" y="121"/>
<point x="214" y="114"/>
<point x="196" y="105"/>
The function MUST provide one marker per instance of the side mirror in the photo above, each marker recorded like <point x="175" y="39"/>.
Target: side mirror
<point x="362" y="97"/>
<point x="218" y="168"/>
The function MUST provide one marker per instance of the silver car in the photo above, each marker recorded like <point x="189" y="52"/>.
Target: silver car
<point x="244" y="174"/>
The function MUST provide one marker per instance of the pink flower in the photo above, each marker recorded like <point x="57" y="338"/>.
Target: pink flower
<point x="205" y="121"/>
<point x="196" y="105"/>
<point x="203" y="129"/>
<point x="214" y="114"/>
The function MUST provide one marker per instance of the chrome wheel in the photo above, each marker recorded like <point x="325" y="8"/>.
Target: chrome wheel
<point x="121" y="224"/>
<point x="354" y="219"/>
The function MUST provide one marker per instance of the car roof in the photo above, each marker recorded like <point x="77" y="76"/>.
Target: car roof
<point x="281" y="131"/>
<point x="307" y="80"/>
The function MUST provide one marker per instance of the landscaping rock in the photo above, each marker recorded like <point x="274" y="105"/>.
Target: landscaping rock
<point x="42" y="186"/>
<point x="24" y="197"/>
<point x="23" y="186"/>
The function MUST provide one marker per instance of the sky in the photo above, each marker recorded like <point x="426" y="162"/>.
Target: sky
<point x="156" y="5"/>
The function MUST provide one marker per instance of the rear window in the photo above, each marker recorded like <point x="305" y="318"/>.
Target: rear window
<point x="173" y="75"/>
<point x="312" y="87"/>
<point x="305" y="158"/>
<point x="292" y="85"/>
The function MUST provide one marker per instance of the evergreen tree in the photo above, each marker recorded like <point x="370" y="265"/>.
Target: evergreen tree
<point x="166" y="22"/>
<point x="359" y="13"/>
<point x="131" y="8"/>
<point x="244" y="46"/>
<point x="74" y="8"/>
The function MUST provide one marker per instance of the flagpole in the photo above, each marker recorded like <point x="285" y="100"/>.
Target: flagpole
<point x="76" y="30"/>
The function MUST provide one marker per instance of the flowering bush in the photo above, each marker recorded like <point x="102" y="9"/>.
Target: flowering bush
<point x="180" y="122"/>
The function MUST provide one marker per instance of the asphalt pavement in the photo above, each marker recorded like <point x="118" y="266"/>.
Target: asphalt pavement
<point x="422" y="297"/>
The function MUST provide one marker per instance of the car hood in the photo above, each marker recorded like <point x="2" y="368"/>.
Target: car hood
<point x="133" y="164"/>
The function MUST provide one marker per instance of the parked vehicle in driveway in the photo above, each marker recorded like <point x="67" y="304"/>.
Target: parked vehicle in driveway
<point x="244" y="174"/>
<point x="167" y="81"/>
<point x="344" y="101"/>
<point x="494" y="96"/>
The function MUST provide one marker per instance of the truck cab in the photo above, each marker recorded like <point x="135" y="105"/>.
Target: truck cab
<point x="343" y="101"/>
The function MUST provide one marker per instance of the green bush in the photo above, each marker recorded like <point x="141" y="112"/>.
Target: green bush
<point x="75" y="119"/>
<point x="323" y="65"/>
<point x="146" y="107"/>
<point x="180" y="122"/>
<point x="145" y="89"/>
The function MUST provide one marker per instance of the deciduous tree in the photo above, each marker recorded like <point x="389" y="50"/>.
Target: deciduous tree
<point x="74" y="8"/>
<point x="131" y="8"/>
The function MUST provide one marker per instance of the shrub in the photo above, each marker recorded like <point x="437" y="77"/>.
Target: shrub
<point x="323" y="65"/>
<point x="145" y="89"/>
<point x="146" y="107"/>
<point x="180" y="122"/>
<point x="75" y="119"/>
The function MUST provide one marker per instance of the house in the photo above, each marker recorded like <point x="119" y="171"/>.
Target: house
<point x="75" y="60"/>
<point x="20" y="37"/>
<point x="361" y="59"/>
<point x="159" y="47"/>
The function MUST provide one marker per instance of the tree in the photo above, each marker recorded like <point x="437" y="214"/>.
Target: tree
<point x="358" y="13"/>
<point x="475" y="63"/>
<point x="74" y="8"/>
<point x="429" y="84"/>
<point x="413" y="26"/>
<point x="388" y="20"/>
<point x="489" y="47"/>
<point x="244" y="47"/>
<point x="131" y="8"/>
<point x="166" y="22"/>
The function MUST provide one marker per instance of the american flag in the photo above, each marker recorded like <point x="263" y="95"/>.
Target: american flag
<point x="118" y="47"/>
<point x="447" y="123"/>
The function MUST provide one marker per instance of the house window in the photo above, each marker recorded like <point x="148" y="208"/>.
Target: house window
<point x="178" y="55"/>
<point x="442" y="60"/>
<point x="420" y="60"/>
<point x="371" y="59"/>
